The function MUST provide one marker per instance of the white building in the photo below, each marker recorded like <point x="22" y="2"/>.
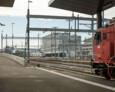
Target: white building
<point x="87" y="48"/>
<point x="60" y="44"/>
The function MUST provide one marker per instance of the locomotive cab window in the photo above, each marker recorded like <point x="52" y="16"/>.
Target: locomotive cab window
<point x="104" y="36"/>
<point x="98" y="37"/>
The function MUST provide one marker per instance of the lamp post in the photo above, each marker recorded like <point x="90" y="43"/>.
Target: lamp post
<point x="69" y="25"/>
<point x="54" y="36"/>
<point x="12" y="36"/>
<point x="38" y="42"/>
<point x="29" y="4"/>
<point x="51" y="44"/>
<point x="28" y="32"/>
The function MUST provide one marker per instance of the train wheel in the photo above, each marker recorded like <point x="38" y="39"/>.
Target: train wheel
<point x="97" y="72"/>
<point x="105" y="74"/>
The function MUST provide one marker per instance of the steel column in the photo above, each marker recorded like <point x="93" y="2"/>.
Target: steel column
<point x="6" y="43"/>
<point x="99" y="19"/>
<point x="99" y="13"/>
<point x="103" y="18"/>
<point x="75" y="40"/>
<point x="38" y="42"/>
<point x="28" y="40"/>
<point x="25" y="46"/>
<point x="77" y="45"/>
<point x="55" y="44"/>
<point x="2" y="42"/>
<point x="63" y="48"/>
<point x="69" y="39"/>
<point x="45" y="46"/>
<point x="92" y="37"/>
<point x="12" y="38"/>
<point x="6" y="40"/>
<point x="51" y="44"/>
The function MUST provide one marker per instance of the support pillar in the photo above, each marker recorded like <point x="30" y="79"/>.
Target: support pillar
<point x="28" y="40"/>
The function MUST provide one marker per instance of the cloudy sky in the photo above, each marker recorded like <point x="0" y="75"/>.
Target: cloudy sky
<point x="17" y="15"/>
<point x="36" y="7"/>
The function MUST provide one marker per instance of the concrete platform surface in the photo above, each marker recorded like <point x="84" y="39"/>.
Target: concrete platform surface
<point x="16" y="78"/>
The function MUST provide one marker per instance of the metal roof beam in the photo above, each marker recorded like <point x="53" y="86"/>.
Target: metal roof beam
<point x="63" y="17"/>
<point x="60" y="17"/>
<point x="20" y="37"/>
<point x="60" y="30"/>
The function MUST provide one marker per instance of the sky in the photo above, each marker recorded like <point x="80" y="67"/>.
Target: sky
<point x="17" y="15"/>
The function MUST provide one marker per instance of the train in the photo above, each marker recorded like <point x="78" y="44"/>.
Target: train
<point x="104" y="51"/>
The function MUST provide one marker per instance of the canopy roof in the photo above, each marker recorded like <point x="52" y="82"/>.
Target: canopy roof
<point x="6" y="3"/>
<point x="82" y="6"/>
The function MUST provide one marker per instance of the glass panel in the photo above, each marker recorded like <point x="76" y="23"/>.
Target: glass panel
<point x="104" y="36"/>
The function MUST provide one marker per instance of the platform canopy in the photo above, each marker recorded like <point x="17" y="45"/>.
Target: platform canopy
<point x="83" y="6"/>
<point x="6" y="3"/>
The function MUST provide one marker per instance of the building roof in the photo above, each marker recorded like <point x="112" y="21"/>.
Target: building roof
<point x="6" y="3"/>
<point x="82" y="6"/>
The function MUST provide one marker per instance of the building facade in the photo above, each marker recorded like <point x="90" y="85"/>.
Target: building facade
<point x="87" y="48"/>
<point x="61" y="45"/>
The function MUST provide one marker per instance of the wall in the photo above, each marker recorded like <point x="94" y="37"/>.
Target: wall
<point x="15" y="58"/>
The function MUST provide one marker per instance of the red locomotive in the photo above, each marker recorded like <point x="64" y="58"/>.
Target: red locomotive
<point x="104" y="51"/>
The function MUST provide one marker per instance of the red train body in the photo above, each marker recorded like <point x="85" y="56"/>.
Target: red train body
<point x="104" y="44"/>
<point x="104" y="51"/>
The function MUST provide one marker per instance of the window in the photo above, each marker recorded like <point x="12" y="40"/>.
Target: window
<point x="104" y="36"/>
<point x="98" y="37"/>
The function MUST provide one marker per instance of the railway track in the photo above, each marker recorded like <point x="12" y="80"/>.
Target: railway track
<point x="67" y="67"/>
<point x="83" y="67"/>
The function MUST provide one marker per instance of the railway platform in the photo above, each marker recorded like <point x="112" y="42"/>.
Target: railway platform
<point x="16" y="78"/>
